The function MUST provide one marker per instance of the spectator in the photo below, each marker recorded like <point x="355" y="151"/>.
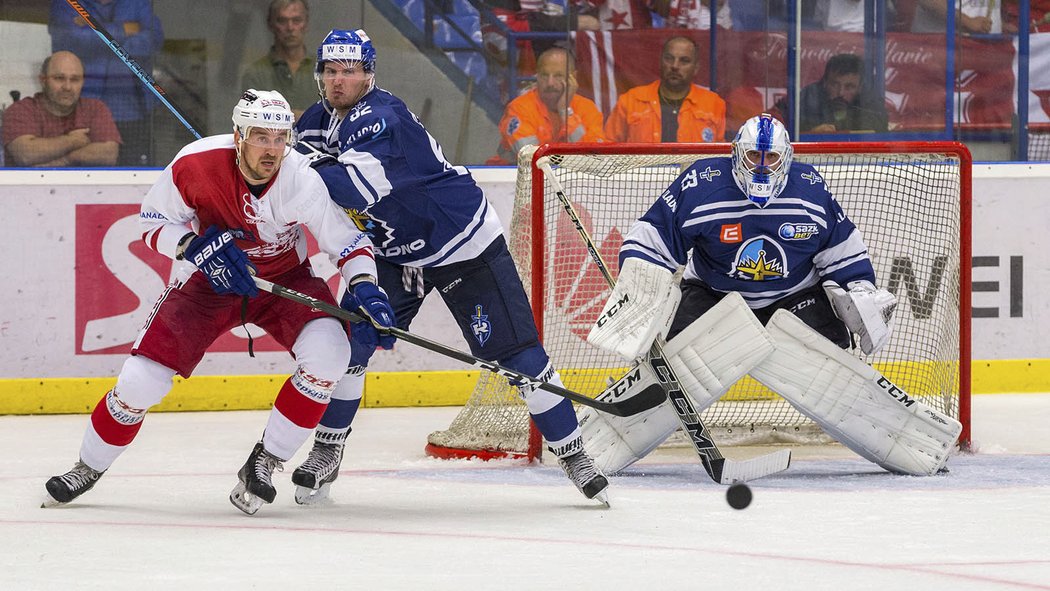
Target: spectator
<point x="838" y="101"/>
<point x="288" y="68"/>
<point x="136" y="29"/>
<point x="841" y="15"/>
<point x="57" y="127"/>
<point x="974" y="17"/>
<point x="692" y="14"/>
<point x="550" y="112"/>
<point x="671" y="109"/>
<point x="1038" y="16"/>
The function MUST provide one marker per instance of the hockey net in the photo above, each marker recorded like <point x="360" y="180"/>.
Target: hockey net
<point x="911" y="202"/>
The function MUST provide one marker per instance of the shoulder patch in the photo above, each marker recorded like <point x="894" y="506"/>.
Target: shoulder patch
<point x="513" y="125"/>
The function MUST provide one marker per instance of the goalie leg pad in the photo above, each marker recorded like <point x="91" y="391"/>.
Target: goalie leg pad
<point x="853" y="402"/>
<point x="708" y="357"/>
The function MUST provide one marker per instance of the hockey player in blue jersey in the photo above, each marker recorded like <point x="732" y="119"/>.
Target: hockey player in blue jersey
<point x="766" y="230"/>
<point x="432" y="228"/>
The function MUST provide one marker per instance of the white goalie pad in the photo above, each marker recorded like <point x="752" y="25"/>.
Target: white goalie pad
<point x="865" y="310"/>
<point x="853" y="402"/>
<point x="708" y="357"/>
<point x="640" y="309"/>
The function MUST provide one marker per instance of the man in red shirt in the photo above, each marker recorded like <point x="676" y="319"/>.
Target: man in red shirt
<point x="56" y="127"/>
<point x="671" y="109"/>
<point x="550" y="112"/>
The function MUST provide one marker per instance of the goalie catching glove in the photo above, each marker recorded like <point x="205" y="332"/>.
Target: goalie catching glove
<point x="220" y="260"/>
<point x="865" y="310"/>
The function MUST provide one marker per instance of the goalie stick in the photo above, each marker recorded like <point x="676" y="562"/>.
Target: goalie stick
<point x="719" y="468"/>
<point x="131" y="63"/>
<point x="648" y="398"/>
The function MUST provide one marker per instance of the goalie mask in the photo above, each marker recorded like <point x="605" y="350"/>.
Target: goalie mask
<point x="265" y="109"/>
<point x="762" y="155"/>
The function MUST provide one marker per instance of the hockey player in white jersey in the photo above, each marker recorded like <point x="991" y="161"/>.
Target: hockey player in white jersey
<point x="767" y="228"/>
<point x="432" y="228"/>
<point x="230" y="206"/>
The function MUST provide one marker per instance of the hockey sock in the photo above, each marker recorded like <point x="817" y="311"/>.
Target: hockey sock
<point x="554" y="415"/>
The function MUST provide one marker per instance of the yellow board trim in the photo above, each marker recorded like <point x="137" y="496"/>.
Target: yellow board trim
<point x="386" y="389"/>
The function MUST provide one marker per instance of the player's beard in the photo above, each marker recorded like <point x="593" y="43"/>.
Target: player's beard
<point x="264" y="168"/>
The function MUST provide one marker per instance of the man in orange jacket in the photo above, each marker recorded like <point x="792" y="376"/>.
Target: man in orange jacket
<point x="671" y="109"/>
<point x="550" y="112"/>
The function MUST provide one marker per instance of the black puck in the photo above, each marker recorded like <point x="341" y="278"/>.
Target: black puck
<point x="738" y="496"/>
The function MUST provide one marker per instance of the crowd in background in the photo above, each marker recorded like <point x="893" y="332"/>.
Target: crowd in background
<point x="91" y="110"/>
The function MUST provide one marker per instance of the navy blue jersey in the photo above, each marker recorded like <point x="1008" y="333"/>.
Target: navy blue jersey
<point x="396" y="184"/>
<point x="731" y="244"/>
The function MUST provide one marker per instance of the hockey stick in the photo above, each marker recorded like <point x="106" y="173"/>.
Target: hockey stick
<point x="130" y="63"/>
<point x="720" y="469"/>
<point x="648" y="398"/>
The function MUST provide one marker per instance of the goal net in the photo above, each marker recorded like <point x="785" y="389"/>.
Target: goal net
<point x="911" y="202"/>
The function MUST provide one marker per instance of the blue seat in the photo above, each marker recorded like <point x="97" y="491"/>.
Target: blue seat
<point x="446" y="37"/>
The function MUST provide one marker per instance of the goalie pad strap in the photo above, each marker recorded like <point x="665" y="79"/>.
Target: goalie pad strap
<point x="853" y="402"/>
<point x="708" y="357"/>
<point x="639" y="310"/>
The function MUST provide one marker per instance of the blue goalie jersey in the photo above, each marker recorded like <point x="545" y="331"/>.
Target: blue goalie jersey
<point x="394" y="181"/>
<point x="800" y="238"/>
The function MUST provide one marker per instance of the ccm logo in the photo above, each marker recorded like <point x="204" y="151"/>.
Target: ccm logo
<point x="731" y="233"/>
<point x="613" y="309"/>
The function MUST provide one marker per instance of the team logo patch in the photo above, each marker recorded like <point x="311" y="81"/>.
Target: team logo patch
<point x="480" y="325"/>
<point x="812" y="177"/>
<point x="513" y="125"/>
<point x="708" y="134"/>
<point x="380" y="233"/>
<point x="730" y="233"/>
<point x="760" y="259"/>
<point x="790" y="231"/>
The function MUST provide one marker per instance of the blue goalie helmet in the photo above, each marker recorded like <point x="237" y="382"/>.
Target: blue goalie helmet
<point x="762" y="155"/>
<point x="347" y="46"/>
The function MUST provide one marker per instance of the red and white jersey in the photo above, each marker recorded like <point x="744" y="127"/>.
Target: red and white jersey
<point x="203" y="187"/>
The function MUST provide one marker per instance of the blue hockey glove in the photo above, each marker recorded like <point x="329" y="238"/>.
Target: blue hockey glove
<point x="368" y="300"/>
<point x="225" y="265"/>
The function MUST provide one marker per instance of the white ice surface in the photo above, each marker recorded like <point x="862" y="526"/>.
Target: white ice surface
<point x="160" y="518"/>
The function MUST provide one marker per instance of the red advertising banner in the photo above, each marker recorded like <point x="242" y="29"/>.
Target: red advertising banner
<point x="752" y="70"/>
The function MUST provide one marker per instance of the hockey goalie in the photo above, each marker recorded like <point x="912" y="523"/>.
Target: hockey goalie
<point x="763" y="244"/>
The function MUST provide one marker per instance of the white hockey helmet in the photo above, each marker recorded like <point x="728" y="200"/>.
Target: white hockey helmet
<point x="263" y="108"/>
<point x="762" y="155"/>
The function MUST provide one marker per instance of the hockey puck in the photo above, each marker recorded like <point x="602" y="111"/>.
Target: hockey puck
<point x="738" y="496"/>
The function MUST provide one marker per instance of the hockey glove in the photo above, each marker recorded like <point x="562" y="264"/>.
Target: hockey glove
<point x="222" y="262"/>
<point x="368" y="300"/>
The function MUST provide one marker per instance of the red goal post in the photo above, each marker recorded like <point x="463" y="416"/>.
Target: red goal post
<point x="910" y="200"/>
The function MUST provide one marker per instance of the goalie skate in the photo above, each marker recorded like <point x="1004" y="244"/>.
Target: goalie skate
<point x="63" y="489"/>
<point x="314" y="478"/>
<point x="255" y="481"/>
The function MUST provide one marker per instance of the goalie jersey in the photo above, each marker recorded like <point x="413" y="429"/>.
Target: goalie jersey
<point x="799" y="239"/>
<point x="395" y="183"/>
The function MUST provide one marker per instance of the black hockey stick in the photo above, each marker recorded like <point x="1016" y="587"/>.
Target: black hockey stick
<point x="720" y="469"/>
<point x="648" y="398"/>
<point x="131" y="63"/>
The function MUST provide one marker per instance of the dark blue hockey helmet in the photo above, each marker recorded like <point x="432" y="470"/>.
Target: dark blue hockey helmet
<point x="348" y="46"/>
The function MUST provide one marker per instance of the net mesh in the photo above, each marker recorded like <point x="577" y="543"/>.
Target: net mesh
<point x="907" y="206"/>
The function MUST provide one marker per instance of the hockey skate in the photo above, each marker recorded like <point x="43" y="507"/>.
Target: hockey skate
<point x="580" y="469"/>
<point x="63" y="489"/>
<point x="315" y="476"/>
<point x="255" y="477"/>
